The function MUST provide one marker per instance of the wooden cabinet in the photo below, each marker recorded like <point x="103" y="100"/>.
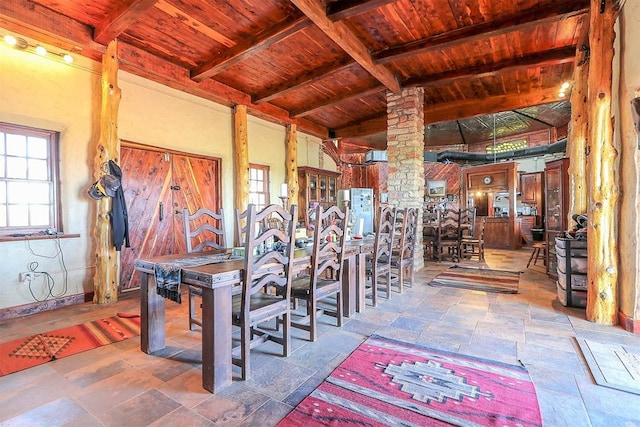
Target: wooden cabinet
<point x="532" y="191"/>
<point x="315" y="186"/>
<point x="556" y="178"/>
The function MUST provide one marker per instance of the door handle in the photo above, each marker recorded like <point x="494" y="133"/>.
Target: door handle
<point x="161" y="212"/>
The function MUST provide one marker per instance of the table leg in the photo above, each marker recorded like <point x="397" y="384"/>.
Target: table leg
<point x="361" y="281"/>
<point x="216" y="338"/>
<point x="152" y="313"/>
<point x="349" y="296"/>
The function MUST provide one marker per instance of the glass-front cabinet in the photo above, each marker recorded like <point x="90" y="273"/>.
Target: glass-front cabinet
<point x="556" y="177"/>
<point x="316" y="186"/>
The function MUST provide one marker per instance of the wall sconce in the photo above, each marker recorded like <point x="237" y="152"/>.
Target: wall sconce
<point x="22" y="44"/>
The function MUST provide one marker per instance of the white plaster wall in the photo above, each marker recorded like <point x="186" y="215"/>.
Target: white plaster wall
<point x="627" y="72"/>
<point x="46" y="94"/>
<point x="42" y="93"/>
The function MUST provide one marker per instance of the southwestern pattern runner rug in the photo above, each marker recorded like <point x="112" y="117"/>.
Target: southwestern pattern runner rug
<point x="37" y="349"/>
<point x="392" y="383"/>
<point x="479" y="279"/>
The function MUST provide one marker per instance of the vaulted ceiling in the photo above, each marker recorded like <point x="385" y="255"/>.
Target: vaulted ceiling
<point x="327" y="65"/>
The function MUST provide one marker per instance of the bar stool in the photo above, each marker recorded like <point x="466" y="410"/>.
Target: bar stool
<point x="536" y="253"/>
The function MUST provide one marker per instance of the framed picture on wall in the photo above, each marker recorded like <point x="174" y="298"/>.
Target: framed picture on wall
<point x="436" y="188"/>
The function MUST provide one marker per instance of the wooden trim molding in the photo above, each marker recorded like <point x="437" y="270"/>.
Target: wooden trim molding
<point x="629" y="324"/>
<point x="35" y="236"/>
<point x="42" y="306"/>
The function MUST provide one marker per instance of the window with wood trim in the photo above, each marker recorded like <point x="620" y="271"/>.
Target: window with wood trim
<point x="259" y="185"/>
<point x="28" y="180"/>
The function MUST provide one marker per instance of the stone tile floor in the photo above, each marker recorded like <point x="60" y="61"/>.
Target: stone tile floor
<point x="118" y="385"/>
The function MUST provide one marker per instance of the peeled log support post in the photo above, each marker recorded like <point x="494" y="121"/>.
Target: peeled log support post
<point x="291" y="164"/>
<point x="578" y="133"/>
<point x="106" y="279"/>
<point x="602" y="271"/>
<point x="241" y="149"/>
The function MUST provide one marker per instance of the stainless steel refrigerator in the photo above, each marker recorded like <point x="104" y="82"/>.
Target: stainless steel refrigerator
<point x="362" y="208"/>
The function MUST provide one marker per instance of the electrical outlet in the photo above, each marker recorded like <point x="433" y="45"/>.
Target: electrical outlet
<point x="28" y="276"/>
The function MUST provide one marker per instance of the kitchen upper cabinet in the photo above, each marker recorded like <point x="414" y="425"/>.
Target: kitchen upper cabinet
<point x="532" y="190"/>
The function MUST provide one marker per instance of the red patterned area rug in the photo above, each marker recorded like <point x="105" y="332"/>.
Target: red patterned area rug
<point x="392" y="383"/>
<point x="37" y="349"/>
<point x="478" y="279"/>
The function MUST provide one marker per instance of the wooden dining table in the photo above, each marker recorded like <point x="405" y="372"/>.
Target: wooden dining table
<point x="216" y="280"/>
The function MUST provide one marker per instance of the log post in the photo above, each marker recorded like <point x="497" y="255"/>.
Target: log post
<point x="106" y="280"/>
<point x="241" y="149"/>
<point x="578" y="133"/>
<point x="602" y="271"/>
<point x="291" y="164"/>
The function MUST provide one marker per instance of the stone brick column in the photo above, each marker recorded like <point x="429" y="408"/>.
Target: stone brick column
<point x="405" y="152"/>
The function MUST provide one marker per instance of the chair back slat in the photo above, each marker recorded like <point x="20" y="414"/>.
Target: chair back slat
<point x="384" y="234"/>
<point x="409" y="232"/>
<point x="328" y="243"/>
<point x="241" y="227"/>
<point x="268" y="268"/>
<point x="204" y="229"/>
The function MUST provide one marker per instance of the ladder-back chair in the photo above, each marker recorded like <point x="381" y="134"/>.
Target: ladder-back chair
<point x="266" y="284"/>
<point x="402" y="259"/>
<point x="203" y="230"/>
<point x="474" y="245"/>
<point x="448" y="236"/>
<point x="325" y="275"/>
<point x="379" y="263"/>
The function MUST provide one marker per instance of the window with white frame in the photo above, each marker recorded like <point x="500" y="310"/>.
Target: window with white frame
<point x="259" y="185"/>
<point x="28" y="180"/>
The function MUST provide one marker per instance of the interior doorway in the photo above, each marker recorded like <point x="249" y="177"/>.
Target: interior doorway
<point x="157" y="185"/>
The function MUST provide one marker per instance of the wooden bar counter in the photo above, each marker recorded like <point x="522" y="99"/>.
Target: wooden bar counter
<point x="498" y="233"/>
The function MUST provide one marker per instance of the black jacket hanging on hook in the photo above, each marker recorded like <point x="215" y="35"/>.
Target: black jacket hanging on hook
<point x="119" y="217"/>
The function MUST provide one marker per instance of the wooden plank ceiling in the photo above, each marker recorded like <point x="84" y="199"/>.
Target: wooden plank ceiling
<point x="327" y="66"/>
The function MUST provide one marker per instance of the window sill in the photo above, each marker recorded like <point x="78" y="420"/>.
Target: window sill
<point x="36" y="236"/>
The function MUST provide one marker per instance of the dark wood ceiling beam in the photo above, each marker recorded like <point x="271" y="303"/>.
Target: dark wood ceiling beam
<point x="456" y="111"/>
<point x="342" y="35"/>
<point x="364" y="128"/>
<point x="116" y="22"/>
<point x="496" y="104"/>
<point x="248" y="47"/>
<point x="465" y="35"/>
<point x="539" y="59"/>
<point x="345" y="9"/>
<point x="309" y="77"/>
<point x="47" y="26"/>
<point x="309" y="108"/>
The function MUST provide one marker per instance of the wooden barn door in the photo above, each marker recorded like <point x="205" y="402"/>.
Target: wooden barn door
<point x="157" y="186"/>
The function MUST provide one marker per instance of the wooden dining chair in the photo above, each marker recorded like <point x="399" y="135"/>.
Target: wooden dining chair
<point x="430" y="221"/>
<point x="203" y="230"/>
<point x="473" y="246"/>
<point x="467" y="222"/>
<point x="241" y="227"/>
<point x="402" y="258"/>
<point x="266" y="284"/>
<point x="448" y="235"/>
<point x="379" y="263"/>
<point x="325" y="274"/>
